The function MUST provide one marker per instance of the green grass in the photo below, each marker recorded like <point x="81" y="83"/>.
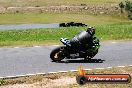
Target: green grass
<point x="118" y="31"/>
<point x="55" y="2"/>
<point x="24" y="18"/>
<point x="115" y="31"/>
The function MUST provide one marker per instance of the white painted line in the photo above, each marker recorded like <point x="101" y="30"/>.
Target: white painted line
<point x="1" y="77"/>
<point x="99" y="68"/>
<point x="73" y="70"/>
<point x="109" y="67"/>
<point x="114" y="42"/>
<point x="22" y="75"/>
<point x="121" y="66"/>
<point x="40" y="73"/>
<point x="16" y="47"/>
<point x="36" y="46"/>
<point x="88" y="69"/>
<point x="130" y="65"/>
<point x="30" y="74"/>
<point x="10" y="76"/>
<point x="63" y="71"/>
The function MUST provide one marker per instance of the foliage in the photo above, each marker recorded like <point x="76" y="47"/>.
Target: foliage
<point x="121" y="5"/>
<point x="128" y="8"/>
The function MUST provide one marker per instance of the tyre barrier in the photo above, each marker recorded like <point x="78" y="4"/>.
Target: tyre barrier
<point x="70" y="24"/>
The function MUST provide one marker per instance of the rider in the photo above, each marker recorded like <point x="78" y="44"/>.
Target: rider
<point x="85" y="37"/>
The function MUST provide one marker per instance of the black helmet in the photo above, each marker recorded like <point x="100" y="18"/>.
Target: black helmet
<point x="91" y="30"/>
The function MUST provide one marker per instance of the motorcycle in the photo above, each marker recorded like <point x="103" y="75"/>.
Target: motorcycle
<point x="66" y="52"/>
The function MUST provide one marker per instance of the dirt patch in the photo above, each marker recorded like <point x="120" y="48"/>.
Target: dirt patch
<point x="45" y="83"/>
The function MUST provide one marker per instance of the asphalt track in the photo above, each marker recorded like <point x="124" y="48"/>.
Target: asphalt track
<point x="32" y="60"/>
<point x="28" y="26"/>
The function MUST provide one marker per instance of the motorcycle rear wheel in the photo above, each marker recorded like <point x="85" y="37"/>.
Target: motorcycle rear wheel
<point x="57" y="54"/>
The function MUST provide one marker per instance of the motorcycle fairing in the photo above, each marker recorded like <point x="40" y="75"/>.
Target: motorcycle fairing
<point x="65" y="41"/>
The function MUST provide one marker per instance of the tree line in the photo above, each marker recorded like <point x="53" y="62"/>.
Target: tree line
<point x="127" y="7"/>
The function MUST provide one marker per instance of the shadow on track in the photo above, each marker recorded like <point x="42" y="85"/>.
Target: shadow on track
<point x="83" y="61"/>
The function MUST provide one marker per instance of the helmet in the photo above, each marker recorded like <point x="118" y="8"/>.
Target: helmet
<point x="91" y="30"/>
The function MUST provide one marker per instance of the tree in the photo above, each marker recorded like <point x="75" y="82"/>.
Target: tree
<point x="127" y="7"/>
<point x="121" y="5"/>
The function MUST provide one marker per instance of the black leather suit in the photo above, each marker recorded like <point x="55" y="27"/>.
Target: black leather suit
<point x="80" y="40"/>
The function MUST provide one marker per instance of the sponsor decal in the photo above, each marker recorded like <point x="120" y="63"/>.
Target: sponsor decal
<point x="83" y="78"/>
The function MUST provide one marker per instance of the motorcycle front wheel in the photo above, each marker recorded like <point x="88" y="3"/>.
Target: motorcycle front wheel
<point x="57" y="54"/>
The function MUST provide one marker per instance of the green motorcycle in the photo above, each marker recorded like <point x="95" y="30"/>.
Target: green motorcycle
<point x="66" y="51"/>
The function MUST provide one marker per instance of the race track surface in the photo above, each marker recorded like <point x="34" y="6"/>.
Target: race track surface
<point x="31" y="60"/>
<point x="28" y="26"/>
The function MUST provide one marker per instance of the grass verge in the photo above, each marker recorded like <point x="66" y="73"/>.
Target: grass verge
<point x="66" y="80"/>
<point x="31" y="18"/>
<point x="118" y="31"/>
